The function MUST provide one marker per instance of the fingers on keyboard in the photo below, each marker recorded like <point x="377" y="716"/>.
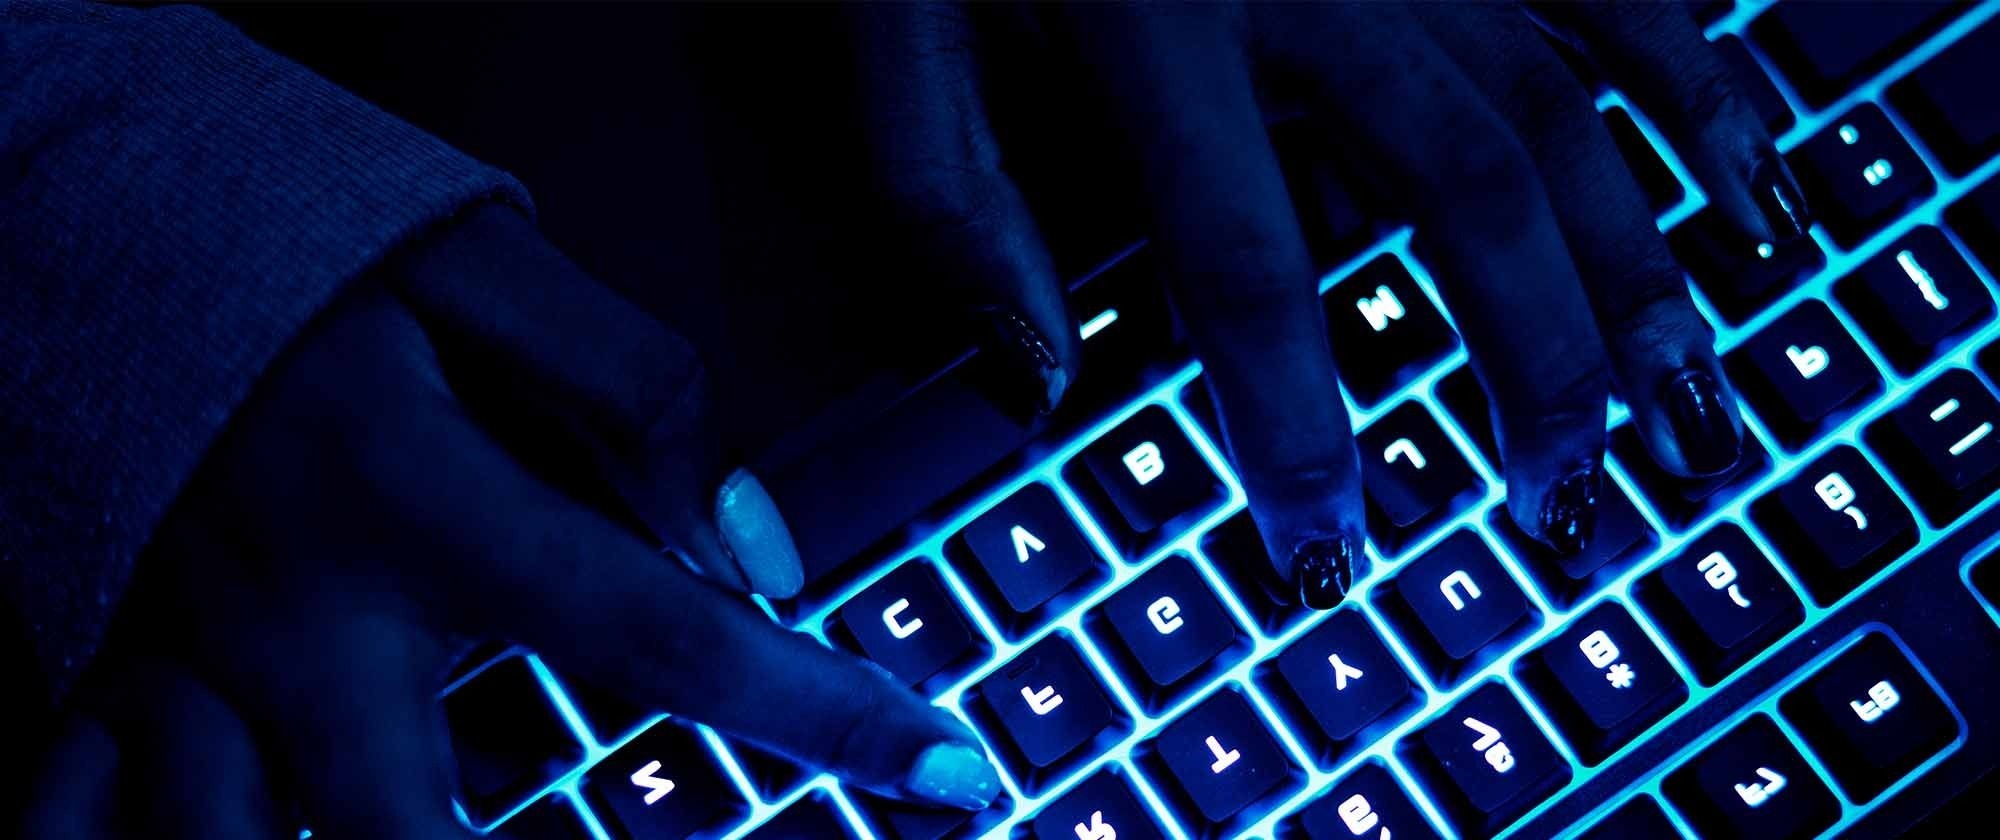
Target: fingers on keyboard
<point x="1737" y="276"/>
<point x="664" y="783"/>
<point x="508" y="738"/>
<point x="1414" y="476"/>
<point x="1859" y="174"/>
<point x="908" y="623"/>
<point x="1142" y="479"/>
<point x="1622" y="538"/>
<point x="1384" y="329"/>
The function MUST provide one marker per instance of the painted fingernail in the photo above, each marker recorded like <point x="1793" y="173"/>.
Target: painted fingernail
<point x="754" y="531"/>
<point x="1027" y="351"/>
<point x="1569" y="514"/>
<point x="1778" y="198"/>
<point x="955" y="775"/>
<point x="1327" y="567"/>
<point x="1700" y="422"/>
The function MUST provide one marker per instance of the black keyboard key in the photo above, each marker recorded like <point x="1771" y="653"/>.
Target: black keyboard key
<point x="1755" y="85"/>
<point x="1801" y="371"/>
<point x="1976" y="218"/>
<point x="1047" y="702"/>
<point x="1412" y="473"/>
<point x="1342" y="677"/>
<point x="1859" y="174"/>
<point x="1836" y="523"/>
<point x="771" y="775"/>
<point x="1384" y="329"/>
<point x="1752" y="783"/>
<point x="1101" y="807"/>
<point x="609" y="716"/>
<point x="1221" y="757"/>
<point x="907" y="622"/>
<point x="1027" y="551"/>
<point x="1603" y="680"/>
<point x="1739" y="276"/>
<point x="1129" y="333"/>
<point x="507" y="737"/>
<point x="1367" y="803"/>
<point x="811" y="816"/>
<point x="664" y="783"/>
<point x="1870" y="716"/>
<point x="1486" y="759"/>
<point x="899" y="820"/>
<point x="1720" y="601"/>
<point x="1143" y="476"/>
<point x="1658" y="183"/>
<point x="1453" y="602"/>
<point x="1985" y="580"/>
<point x="551" y="817"/>
<point x="1639" y="819"/>
<point x="1941" y="446"/>
<point x="1170" y="625"/>
<point x="1620" y="538"/>
<point x="1236" y="550"/>
<point x="1828" y="48"/>
<point x="1465" y="401"/>
<point x="1947" y="100"/>
<point x="1915" y="297"/>
<point x="1684" y="501"/>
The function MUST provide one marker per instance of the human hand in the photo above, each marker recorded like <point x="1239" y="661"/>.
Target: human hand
<point x="1536" y="233"/>
<point x="368" y="514"/>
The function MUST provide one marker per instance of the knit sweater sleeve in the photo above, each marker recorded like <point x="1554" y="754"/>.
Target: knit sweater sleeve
<point x="175" y="204"/>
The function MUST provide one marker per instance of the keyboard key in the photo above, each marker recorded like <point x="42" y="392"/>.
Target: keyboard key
<point x="1047" y="702"/>
<point x="899" y="820"/>
<point x="1947" y="100"/>
<point x="1836" y="523"/>
<point x="1985" y="580"/>
<point x="664" y="783"/>
<point x="548" y="818"/>
<point x="1131" y="333"/>
<point x="1752" y="783"/>
<point x="1221" y="756"/>
<point x="1169" y="623"/>
<point x="1236" y="549"/>
<point x="811" y="816"/>
<point x="1914" y="297"/>
<point x="1658" y="183"/>
<point x="1720" y="601"/>
<point x="1343" y="678"/>
<point x="1755" y="85"/>
<point x="1685" y="501"/>
<point x="1367" y="803"/>
<point x="1453" y="601"/>
<point x="907" y="622"/>
<point x="1028" y="550"/>
<point x="507" y="737"/>
<point x="1859" y="174"/>
<point x="1101" y="807"/>
<point x="609" y="716"/>
<point x="1411" y="471"/>
<point x="1738" y="276"/>
<point x="1639" y="819"/>
<point x="1976" y="218"/>
<point x="1465" y="401"/>
<point x="1383" y="329"/>
<point x="772" y="776"/>
<point x="1801" y="371"/>
<point x="1143" y="476"/>
<point x="1486" y="759"/>
<point x="1870" y="716"/>
<point x="1621" y="537"/>
<point x="1603" y="681"/>
<point x="1828" y="48"/>
<point x="1940" y="444"/>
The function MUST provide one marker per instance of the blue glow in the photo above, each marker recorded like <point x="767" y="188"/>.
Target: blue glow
<point x="1840" y="262"/>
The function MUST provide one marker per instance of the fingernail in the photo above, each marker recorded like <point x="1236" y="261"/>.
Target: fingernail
<point x="955" y="775"/>
<point x="1569" y="514"/>
<point x="1327" y="568"/>
<point x="1778" y="198"/>
<point x="1700" y="422"/>
<point x="1026" y="350"/>
<point x="754" y="531"/>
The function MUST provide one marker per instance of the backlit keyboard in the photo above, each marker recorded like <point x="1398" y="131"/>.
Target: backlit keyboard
<point x="1745" y="655"/>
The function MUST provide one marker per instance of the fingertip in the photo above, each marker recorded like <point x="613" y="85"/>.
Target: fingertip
<point x="1775" y="193"/>
<point x="1327" y="568"/>
<point x="754" y="532"/>
<point x="953" y="774"/>
<point x="1029" y="352"/>
<point x="1568" y="518"/>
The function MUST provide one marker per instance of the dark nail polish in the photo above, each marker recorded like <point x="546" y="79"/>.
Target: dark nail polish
<point x="1778" y="198"/>
<point x="1026" y="350"/>
<point x="1569" y="514"/>
<point x="1327" y="569"/>
<point x="1693" y="401"/>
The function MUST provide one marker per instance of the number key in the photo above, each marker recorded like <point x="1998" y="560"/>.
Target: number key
<point x="1487" y="759"/>
<point x="1802" y="369"/>
<point x="1604" y="681"/>
<point x="1720" y="601"/>
<point x="1837" y="522"/>
<point x="1367" y="803"/>
<point x="1871" y="716"/>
